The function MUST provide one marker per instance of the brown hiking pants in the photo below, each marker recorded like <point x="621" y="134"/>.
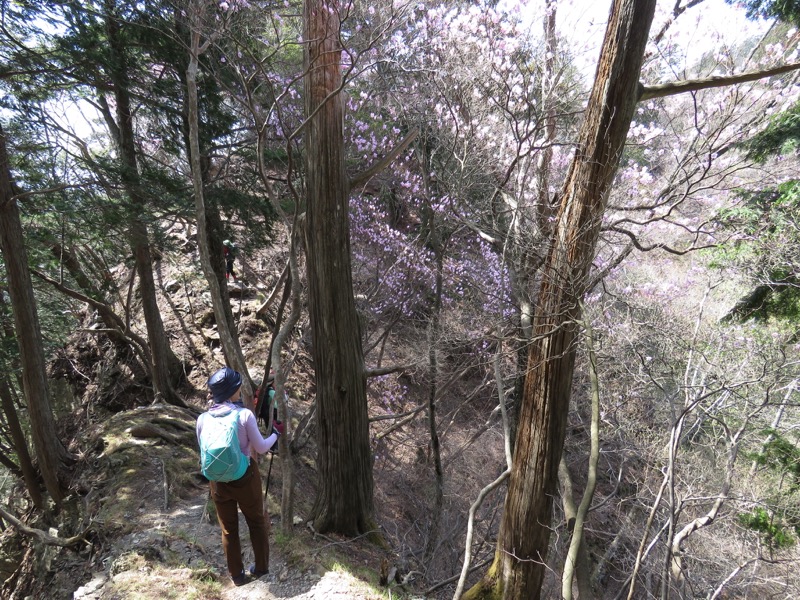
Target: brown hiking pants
<point x="246" y="494"/>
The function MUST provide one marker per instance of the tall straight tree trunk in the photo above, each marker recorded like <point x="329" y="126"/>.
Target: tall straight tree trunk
<point x="50" y="452"/>
<point x="520" y="559"/>
<point x="166" y="367"/>
<point x="344" y="502"/>
<point x="189" y="25"/>
<point x="281" y="333"/>
<point x="540" y="210"/>
<point x="436" y="453"/>
<point x="219" y="300"/>
<point x="20" y="444"/>
<point x="576" y="564"/>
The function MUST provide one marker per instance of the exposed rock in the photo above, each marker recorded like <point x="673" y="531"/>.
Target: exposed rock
<point x="93" y="589"/>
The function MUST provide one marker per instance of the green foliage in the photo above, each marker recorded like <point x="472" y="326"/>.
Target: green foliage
<point x="775" y="535"/>
<point x="254" y="210"/>
<point x="280" y="538"/>
<point x="782" y="136"/>
<point x="765" y="241"/>
<point x="781" y="456"/>
<point x="785" y="10"/>
<point x="783" y="303"/>
<point x="74" y="59"/>
<point x="38" y="212"/>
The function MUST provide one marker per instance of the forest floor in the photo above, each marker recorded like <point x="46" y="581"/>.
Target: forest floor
<point x="137" y="494"/>
<point x="177" y="553"/>
<point x="162" y="541"/>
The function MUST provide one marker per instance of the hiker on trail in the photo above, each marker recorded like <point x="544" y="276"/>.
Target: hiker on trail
<point x="268" y="413"/>
<point x="229" y="439"/>
<point x="229" y="250"/>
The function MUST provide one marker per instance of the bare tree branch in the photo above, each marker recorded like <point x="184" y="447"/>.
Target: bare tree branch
<point x="379" y="371"/>
<point x="677" y="11"/>
<point x="56" y="188"/>
<point x="116" y="326"/>
<point x="365" y="176"/>
<point x="693" y="85"/>
<point x="660" y="246"/>
<point x="400" y="423"/>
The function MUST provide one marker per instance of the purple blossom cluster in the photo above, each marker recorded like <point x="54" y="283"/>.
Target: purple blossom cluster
<point x="393" y="266"/>
<point x="394" y="272"/>
<point x="398" y="272"/>
<point x="388" y="393"/>
<point x="476" y="277"/>
<point x="233" y="5"/>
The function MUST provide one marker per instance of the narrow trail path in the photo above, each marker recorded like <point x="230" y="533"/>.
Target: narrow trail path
<point x="155" y="539"/>
<point x="185" y="531"/>
<point x="176" y="552"/>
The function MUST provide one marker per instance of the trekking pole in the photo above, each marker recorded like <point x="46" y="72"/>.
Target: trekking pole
<point x="269" y="472"/>
<point x="241" y="293"/>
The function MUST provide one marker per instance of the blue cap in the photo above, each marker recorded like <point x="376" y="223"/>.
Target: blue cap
<point x="224" y="383"/>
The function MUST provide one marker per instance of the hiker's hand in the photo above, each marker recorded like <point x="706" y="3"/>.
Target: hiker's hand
<point x="277" y="427"/>
<point x="274" y="447"/>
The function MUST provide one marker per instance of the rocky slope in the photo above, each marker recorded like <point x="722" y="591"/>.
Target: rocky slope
<point x="141" y="512"/>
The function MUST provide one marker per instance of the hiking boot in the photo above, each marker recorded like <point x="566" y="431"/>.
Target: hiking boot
<point x="240" y="579"/>
<point x="257" y="574"/>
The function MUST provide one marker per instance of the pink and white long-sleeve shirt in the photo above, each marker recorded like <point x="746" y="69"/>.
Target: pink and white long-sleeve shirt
<point x="250" y="438"/>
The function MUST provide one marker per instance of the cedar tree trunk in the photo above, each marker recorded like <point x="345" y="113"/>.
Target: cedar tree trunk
<point x="166" y="367"/>
<point x="344" y="502"/>
<point x="217" y="286"/>
<point x="50" y="452"/>
<point x="520" y="559"/>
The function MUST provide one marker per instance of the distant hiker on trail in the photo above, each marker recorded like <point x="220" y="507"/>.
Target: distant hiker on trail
<point x="229" y="250"/>
<point x="228" y="436"/>
<point x="268" y="413"/>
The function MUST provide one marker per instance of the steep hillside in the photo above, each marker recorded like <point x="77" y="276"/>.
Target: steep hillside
<point x="139" y="512"/>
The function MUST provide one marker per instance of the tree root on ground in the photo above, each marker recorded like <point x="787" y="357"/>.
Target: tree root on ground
<point x="43" y="536"/>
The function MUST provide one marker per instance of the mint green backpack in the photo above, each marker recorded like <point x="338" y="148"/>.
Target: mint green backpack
<point x="221" y="457"/>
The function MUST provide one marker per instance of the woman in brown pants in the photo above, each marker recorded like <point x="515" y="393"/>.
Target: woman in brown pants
<point x="244" y="493"/>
